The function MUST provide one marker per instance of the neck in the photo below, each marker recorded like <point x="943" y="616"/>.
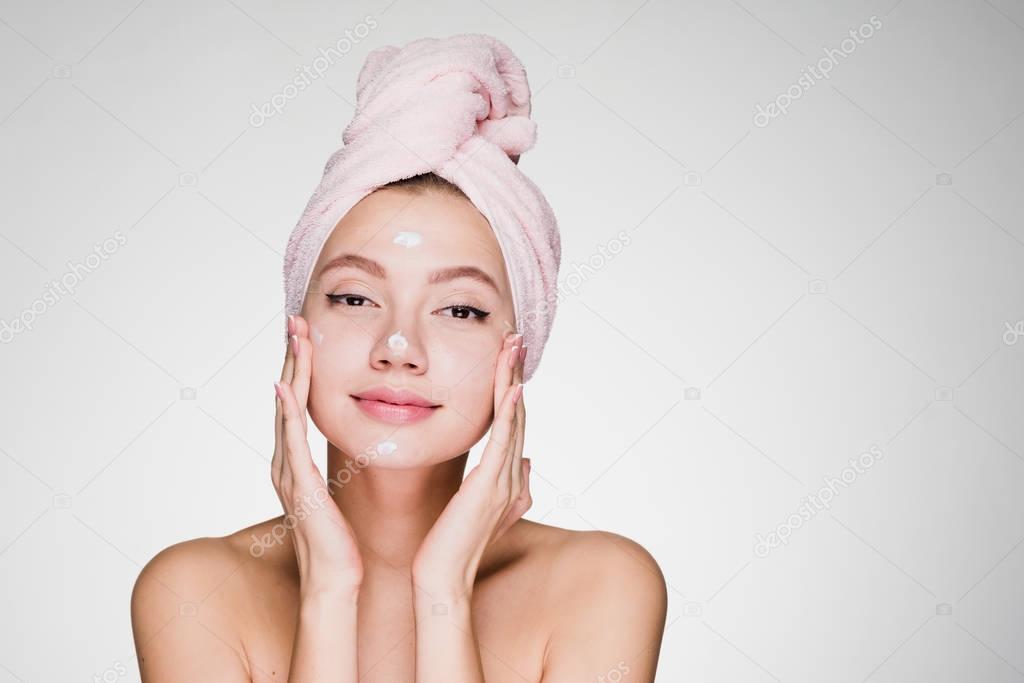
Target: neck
<point x="391" y="510"/>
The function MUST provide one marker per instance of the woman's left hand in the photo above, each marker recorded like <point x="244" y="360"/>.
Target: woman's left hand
<point x="493" y="496"/>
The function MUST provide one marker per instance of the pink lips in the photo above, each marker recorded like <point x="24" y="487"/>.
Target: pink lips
<point x="394" y="406"/>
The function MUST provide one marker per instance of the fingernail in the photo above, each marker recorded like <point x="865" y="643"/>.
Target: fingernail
<point x="518" y="392"/>
<point x="295" y="344"/>
<point x="512" y="357"/>
<point x="522" y="354"/>
<point x="277" y="389"/>
<point x="291" y="323"/>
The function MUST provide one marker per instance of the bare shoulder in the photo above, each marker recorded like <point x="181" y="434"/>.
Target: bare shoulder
<point x="608" y="595"/>
<point x="598" y="560"/>
<point x="192" y="570"/>
<point x="581" y="561"/>
<point x="189" y="597"/>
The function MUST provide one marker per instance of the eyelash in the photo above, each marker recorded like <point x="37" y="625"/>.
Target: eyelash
<point x="480" y="315"/>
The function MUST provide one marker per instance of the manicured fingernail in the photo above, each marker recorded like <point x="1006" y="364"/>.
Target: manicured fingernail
<point x="522" y="354"/>
<point x="291" y="323"/>
<point x="518" y="392"/>
<point x="295" y="344"/>
<point x="512" y="357"/>
<point x="277" y="389"/>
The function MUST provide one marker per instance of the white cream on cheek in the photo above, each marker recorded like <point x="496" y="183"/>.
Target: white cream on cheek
<point x="408" y="238"/>
<point x="318" y="336"/>
<point x="397" y="342"/>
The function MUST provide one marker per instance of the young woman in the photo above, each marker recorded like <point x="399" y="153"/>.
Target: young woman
<point x="397" y="568"/>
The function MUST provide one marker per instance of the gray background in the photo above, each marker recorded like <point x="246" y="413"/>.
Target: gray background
<point x="846" y="277"/>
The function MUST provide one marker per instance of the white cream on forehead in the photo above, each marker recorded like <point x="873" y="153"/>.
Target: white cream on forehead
<point x="397" y="342"/>
<point x="408" y="238"/>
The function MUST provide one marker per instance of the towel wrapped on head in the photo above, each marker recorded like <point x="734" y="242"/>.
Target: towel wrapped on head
<point x="458" y="107"/>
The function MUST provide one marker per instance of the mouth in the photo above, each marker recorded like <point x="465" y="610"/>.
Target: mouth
<point x="394" y="407"/>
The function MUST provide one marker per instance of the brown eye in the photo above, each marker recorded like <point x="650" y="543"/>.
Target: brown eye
<point x="347" y="299"/>
<point x="464" y="312"/>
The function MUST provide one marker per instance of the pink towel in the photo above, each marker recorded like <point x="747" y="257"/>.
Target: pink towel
<point x="459" y="107"/>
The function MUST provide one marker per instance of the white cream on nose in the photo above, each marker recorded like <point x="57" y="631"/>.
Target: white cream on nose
<point x="397" y="342"/>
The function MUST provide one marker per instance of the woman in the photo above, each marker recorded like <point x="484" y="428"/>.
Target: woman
<point x="406" y="295"/>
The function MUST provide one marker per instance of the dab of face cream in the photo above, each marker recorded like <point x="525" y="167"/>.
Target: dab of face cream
<point x="318" y="336"/>
<point x="408" y="239"/>
<point x="397" y="342"/>
<point x="386" y="447"/>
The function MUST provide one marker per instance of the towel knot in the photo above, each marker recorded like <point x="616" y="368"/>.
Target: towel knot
<point x="419" y="99"/>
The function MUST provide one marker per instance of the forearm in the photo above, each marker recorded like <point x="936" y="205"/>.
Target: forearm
<point x="446" y="647"/>
<point x="324" y="648"/>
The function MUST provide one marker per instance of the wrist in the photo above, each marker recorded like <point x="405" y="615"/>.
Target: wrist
<point x="313" y="597"/>
<point x="440" y="600"/>
<point x="448" y="585"/>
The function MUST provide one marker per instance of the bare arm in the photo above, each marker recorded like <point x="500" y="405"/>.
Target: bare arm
<point x="446" y="647"/>
<point x="614" y="620"/>
<point x="180" y="632"/>
<point x="326" y="551"/>
<point x="325" y="640"/>
<point x="492" y="497"/>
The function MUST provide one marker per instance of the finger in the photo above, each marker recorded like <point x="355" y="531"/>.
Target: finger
<point x="503" y="372"/>
<point x="503" y="376"/>
<point x="520" y="423"/>
<point x="494" y="455"/>
<point x="287" y="369"/>
<point x="512" y="466"/>
<point x="297" y="456"/>
<point x="303" y="362"/>
<point x="515" y="457"/>
<point x="278" y="459"/>
<point x="301" y="349"/>
<point x="522" y="503"/>
<point x="284" y="470"/>
<point x="277" y="462"/>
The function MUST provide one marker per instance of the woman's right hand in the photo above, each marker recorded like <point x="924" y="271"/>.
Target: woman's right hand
<point x="325" y="546"/>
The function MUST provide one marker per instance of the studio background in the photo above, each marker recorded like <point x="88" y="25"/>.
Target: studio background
<point x="752" y="297"/>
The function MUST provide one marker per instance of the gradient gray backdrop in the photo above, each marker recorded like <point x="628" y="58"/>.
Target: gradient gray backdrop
<point x="748" y="304"/>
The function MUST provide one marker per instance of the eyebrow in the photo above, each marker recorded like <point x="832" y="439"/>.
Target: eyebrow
<point x="375" y="269"/>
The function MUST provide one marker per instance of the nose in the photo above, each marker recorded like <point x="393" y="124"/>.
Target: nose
<point x="399" y="348"/>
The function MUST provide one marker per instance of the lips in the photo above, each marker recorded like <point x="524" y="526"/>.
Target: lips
<point x="394" y="406"/>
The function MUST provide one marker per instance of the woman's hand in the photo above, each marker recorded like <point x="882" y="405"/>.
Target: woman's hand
<point x="492" y="497"/>
<point x="325" y="545"/>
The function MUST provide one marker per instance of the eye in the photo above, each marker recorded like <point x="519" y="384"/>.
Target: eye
<point x="347" y="299"/>
<point x="463" y="311"/>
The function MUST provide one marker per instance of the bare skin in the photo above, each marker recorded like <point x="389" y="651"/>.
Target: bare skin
<point x="403" y="573"/>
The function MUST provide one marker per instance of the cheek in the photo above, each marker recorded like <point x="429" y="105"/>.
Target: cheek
<point x="465" y="365"/>
<point x="472" y="394"/>
<point x="338" y="356"/>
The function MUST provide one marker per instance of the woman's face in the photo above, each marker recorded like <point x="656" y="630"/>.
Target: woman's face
<point x="399" y="298"/>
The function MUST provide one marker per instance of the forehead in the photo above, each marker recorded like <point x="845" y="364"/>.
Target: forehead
<point x="449" y="231"/>
<point x="444" y="230"/>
